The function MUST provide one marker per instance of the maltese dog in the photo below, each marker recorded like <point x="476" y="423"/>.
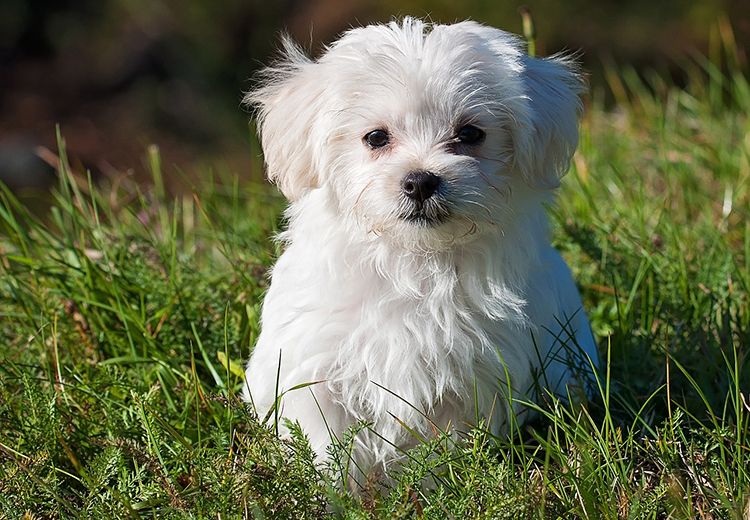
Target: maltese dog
<point x="418" y="290"/>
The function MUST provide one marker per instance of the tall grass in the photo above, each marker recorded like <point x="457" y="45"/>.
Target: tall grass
<point x="127" y="314"/>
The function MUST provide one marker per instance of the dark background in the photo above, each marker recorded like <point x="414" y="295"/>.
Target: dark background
<point x="118" y="75"/>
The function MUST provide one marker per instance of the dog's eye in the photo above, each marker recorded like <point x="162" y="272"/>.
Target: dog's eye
<point x="377" y="138"/>
<point x="469" y="134"/>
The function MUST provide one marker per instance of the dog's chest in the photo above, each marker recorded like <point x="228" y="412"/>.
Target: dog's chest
<point x="406" y="355"/>
<point x="397" y="336"/>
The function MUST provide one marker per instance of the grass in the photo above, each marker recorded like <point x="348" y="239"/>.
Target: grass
<point x="127" y="315"/>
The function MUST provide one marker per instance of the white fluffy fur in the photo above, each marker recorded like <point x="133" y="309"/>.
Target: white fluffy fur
<point x="398" y="322"/>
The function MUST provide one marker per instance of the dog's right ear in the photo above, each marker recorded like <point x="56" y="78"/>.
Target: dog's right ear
<point x="287" y="100"/>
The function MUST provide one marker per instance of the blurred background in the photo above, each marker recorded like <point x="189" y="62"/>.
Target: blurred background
<point x="118" y="75"/>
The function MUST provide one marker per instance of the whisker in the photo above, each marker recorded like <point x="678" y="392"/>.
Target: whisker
<point x="489" y="183"/>
<point x="482" y="206"/>
<point x="473" y="228"/>
<point x="356" y="202"/>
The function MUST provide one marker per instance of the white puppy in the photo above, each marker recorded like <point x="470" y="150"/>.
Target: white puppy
<point x="417" y="284"/>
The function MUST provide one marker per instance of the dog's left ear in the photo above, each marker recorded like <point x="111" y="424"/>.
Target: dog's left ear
<point x="546" y="135"/>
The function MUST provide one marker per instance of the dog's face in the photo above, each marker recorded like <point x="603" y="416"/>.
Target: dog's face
<point x="420" y="135"/>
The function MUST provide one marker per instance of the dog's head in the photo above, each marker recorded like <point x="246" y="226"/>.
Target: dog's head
<point x="422" y="134"/>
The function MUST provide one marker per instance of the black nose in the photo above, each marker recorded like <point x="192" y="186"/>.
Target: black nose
<point x="420" y="185"/>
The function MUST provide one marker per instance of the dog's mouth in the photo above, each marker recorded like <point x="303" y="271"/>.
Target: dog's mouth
<point x="429" y="213"/>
